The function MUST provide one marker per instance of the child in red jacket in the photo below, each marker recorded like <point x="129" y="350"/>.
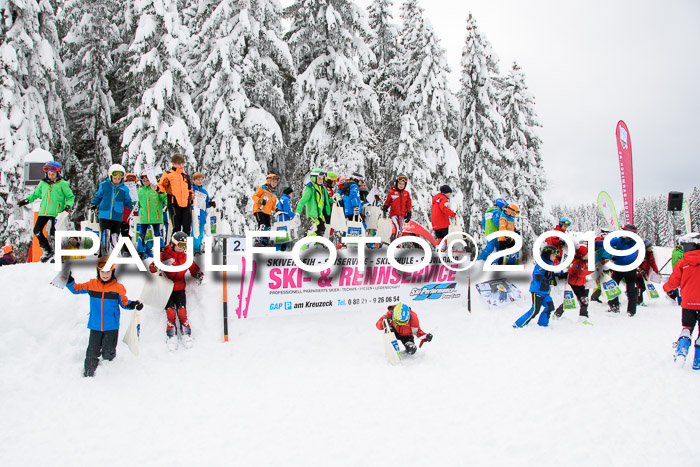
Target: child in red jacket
<point x="686" y="274"/>
<point x="177" y="304"/>
<point x="398" y="203"/>
<point x="577" y="280"/>
<point x="403" y="322"/>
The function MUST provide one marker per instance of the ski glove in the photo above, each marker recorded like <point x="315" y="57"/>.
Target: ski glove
<point x="199" y="275"/>
<point x="22" y="202"/>
<point x="136" y="304"/>
<point x="153" y="268"/>
<point x="212" y="204"/>
<point x="68" y="209"/>
<point x="408" y="216"/>
<point x="263" y="202"/>
<point x="428" y="338"/>
<point x="385" y="209"/>
<point x="356" y="210"/>
<point x="93" y="207"/>
<point x="70" y="278"/>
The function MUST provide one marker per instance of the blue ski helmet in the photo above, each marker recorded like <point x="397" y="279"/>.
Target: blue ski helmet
<point x="401" y="314"/>
<point x="647" y="244"/>
<point x="500" y="203"/>
<point x="564" y="221"/>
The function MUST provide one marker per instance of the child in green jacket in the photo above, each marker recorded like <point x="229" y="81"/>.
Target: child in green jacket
<point x="150" y="206"/>
<point x="56" y="197"/>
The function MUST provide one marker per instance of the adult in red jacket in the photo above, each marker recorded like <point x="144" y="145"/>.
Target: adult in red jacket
<point x="177" y="304"/>
<point x="398" y="203"/>
<point x="403" y="322"/>
<point x="577" y="280"/>
<point x="649" y="264"/>
<point x="440" y="212"/>
<point x="686" y="274"/>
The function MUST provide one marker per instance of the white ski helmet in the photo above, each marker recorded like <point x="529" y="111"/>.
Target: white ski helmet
<point x="690" y="242"/>
<point x="116" y="168"/>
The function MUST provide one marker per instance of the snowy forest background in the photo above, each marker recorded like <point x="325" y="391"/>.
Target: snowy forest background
<point x="244" y="87"/>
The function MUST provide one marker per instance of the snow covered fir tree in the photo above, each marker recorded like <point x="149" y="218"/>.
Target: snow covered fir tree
<point x="244" y="88"/>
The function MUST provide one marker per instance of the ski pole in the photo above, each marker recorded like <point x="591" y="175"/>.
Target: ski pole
<point x="662" y="267"/>
<point x="225" y="278"/>
<point x="469" y="295"/>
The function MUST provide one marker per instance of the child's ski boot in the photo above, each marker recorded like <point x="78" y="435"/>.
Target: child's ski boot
<point x="187" y="338"/>
<point x="696" y="360"/>
<point x="682" y="349"/>
<point x="172" y="340"/>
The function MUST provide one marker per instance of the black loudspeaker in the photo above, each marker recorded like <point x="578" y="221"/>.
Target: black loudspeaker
<point x="675" y="201"/>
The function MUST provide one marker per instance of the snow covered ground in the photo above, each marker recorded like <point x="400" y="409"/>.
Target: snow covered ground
<point x="316" y="390"/>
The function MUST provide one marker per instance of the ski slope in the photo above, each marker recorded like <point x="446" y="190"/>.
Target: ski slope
<point x="316" y="390"/>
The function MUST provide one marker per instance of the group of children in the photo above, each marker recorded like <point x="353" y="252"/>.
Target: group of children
<point x="115" y="202"/>
<point x="115" y="205"/>
<point x="352" y="195"/>
<point x="684" y="283"/>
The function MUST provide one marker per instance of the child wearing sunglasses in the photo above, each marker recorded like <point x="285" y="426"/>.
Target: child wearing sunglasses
<point x="56" y="196"/>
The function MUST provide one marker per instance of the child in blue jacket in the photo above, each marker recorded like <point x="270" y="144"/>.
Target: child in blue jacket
<point x="352" y="204"/>
<point x="539" y="287"/>
<point x="111" y="199"/>
<point x="284" y="205"/>
<point x="106" y="296"/>
<point x="284" y="213"/>
<point x="197" y="180"/>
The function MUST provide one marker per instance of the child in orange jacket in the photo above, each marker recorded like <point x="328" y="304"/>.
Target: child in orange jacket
<point x="106" y="296"/>
<point x="178" y="185"/>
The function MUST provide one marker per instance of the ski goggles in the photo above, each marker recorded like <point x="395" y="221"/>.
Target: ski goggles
<point x="182" y="245"/>
<point x="117" y="174"/>
<point x="50" y="168"/>
<point x="130" y="178"/>
<point x="402" y="178"/>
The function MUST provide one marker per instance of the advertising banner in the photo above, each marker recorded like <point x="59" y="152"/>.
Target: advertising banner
<point x="607" y="207"/>
<point x="274" y="285"/>
<point x="624" y="153"/>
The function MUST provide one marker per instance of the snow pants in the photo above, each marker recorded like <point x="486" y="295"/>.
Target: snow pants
<point x="491" y="246"/>
<point x="630" y="278"/>
<point x="142" y="246"/>
<point x="441" y="233"/>
<point x="537" y="302"/>
<point x="641" y="287"/>
<point x="581" y="293"/>
<point x="689" y="318"/>
<point x="109" y="232"/>
<point x="41" y="222"/>
<point x="102" y="343"/>
<point x="180" y="218"/>
<point x="177" y="307"/>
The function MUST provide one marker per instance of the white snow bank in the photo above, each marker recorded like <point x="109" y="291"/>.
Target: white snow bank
<point x="316" y="390"/>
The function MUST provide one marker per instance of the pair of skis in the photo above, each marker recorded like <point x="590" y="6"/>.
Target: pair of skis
<point x="241" y="311"/>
